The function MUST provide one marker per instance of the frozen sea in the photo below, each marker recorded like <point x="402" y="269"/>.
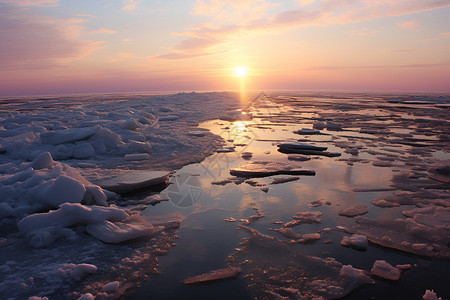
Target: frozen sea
<point x="269" y="195"/>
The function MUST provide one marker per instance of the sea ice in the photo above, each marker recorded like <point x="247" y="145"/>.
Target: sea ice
<point x="289" y="233"/>
<point x="307" y="277"/>
<point x="298" y="157"/>
<point x="356" y="241"/>
<point x="133" y="181"/>
<point x="284" y="179"/>
<point x="266" y="168"/>
<point x="111" y="286"/>
<point x="221" y="274"/>
<point x="133" y="227"/>
<point x="307" y="131"/>
<point x="425" y="233"/>
<point x="431" y="295"/>
<point x="68" y="136"/>
<point x="306" y="149"/>
<point x="302" y="146"/>
<point x="359" y="209"/>
<point x="69" y="214"/>
<point x="385" y="270"/>
<point x="304" y="217"/>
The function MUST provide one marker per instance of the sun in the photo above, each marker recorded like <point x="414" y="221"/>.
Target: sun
<point x="240" y="71"/>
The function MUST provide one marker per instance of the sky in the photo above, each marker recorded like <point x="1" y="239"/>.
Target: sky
<point x="90" y="46"/>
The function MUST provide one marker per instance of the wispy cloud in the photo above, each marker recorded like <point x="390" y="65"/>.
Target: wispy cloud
<point x="410" y="66"/>
<point x="323" y="13"/>
<point x="445" y="34"/>
<point x="130" y="4"/>
<point x="42" y="3"/>
<point x="408" y="24"/>
<point x="38" y="42"/>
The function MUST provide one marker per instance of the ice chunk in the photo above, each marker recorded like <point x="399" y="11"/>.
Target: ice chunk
<point x="356" y="241"/>
<point x="262" y="257"/>
<point x="68" y="135"/>
<point x="46" y="236"/>
<point x="304" y="217"/>
<point x="266" y="168"/>
<point x="298" y="157"/>
<point x="215" y="275"/>
<point x="288" y="232"/>
<point x="332" y="126"/>
<point x="302" y="146"/>
<point x="70" y="214"/>
<point x="385" y="270"/>
<point x="306" y="149"/>
<point x="131" y="124"/>
<point x="137" y="147"/>
<point x="133" y="227"/>
<point x="81" y="270"/>
<point x="318" y="125"/>
<point x="111" y="286"/>
<point x="83" y="150"/>
<point x="62" y="152"/>
<point x="94" y="195"/>
<point x="307" y="131"/>
<point x="63" y="189"/>
<point x="424" y="234"/>
<point x="284" y="179"/>
<point x="431" y="295"/>
<point x="384" y="203"/>
<point x="43" y="161"/>
<point x="359" y="209"/>
<point x="246" y="155"/>
<point x="87" y="296"/>
<point x="133" y="181"/>
<point x="309" y="237"/>
<point x="105" y="140"/>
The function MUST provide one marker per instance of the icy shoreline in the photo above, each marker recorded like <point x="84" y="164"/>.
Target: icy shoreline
<point x="50" y="206"/>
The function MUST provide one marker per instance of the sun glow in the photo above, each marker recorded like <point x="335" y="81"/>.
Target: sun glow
<point x="240" y="71"/>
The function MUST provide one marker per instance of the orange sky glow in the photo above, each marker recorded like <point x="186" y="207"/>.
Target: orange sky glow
<point x="64" y="47"/>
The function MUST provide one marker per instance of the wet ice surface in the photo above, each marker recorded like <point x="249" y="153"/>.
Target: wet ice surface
<point x="391" y="168"/>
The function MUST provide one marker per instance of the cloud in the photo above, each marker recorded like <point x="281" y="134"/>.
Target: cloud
<point x="408" y="24"/>
<point x="104" y="30"/>
<point x="322" y="13"/>
<point x="33" y="41"/>
<point x="41" y="3"/>
<point x="130" y="4"/>
<point x="445" y="34"/>
<point x="410" y="66"/>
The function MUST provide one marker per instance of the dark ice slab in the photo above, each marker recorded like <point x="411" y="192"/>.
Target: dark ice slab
<point x="267" y="168"/>
<point x="135" y="181"/>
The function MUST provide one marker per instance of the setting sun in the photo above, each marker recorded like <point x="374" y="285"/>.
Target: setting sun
<point x="240" y="71"/>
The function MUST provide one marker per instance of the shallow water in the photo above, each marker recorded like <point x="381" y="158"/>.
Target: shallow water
<point x="206" y="240"/>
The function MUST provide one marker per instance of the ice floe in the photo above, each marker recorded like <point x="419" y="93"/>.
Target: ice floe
<point x="267" y="168"/>
<point x="215" y="275"/>
<point x="134" y="181"/>
<point x="383" y="269"/>
<point x="356" y="241"/>
<point x="304" y="277"/>
<point x="359" y="209"/>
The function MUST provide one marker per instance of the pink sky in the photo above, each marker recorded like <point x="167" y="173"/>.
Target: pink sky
<point x="53" y="47"/>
